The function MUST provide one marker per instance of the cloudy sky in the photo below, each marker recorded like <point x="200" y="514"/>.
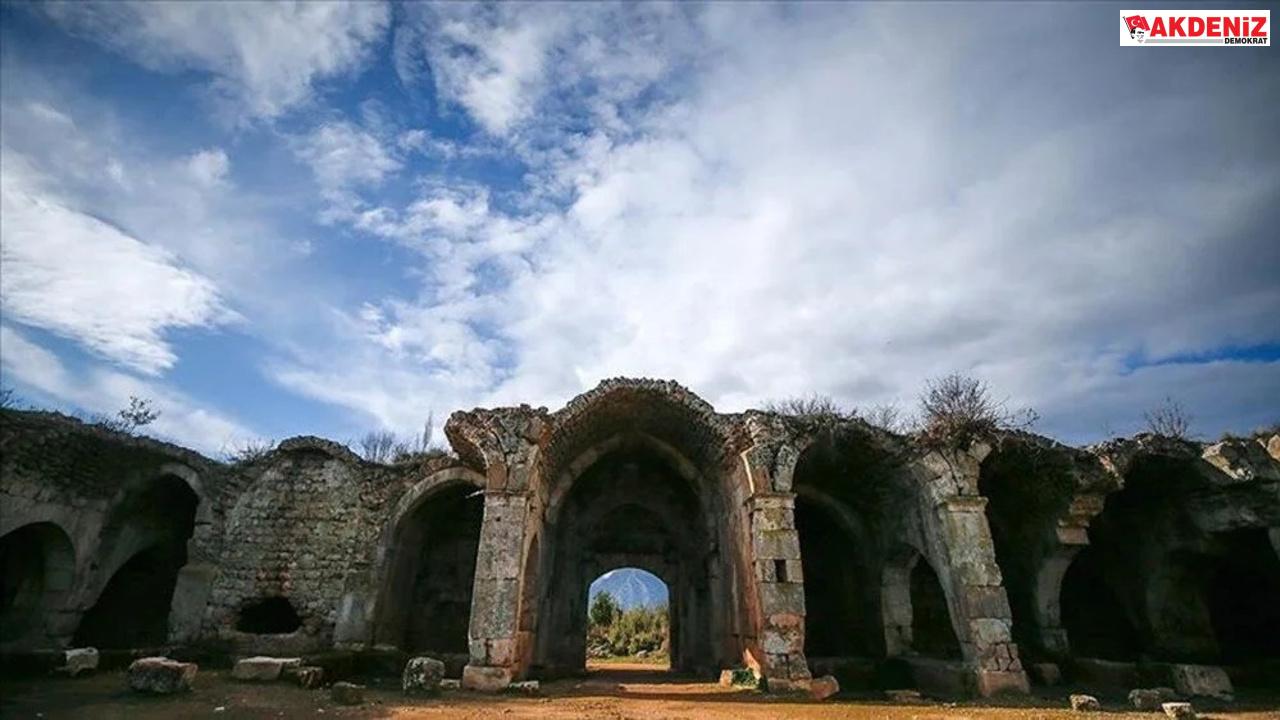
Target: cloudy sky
<point x="322" y="218"/>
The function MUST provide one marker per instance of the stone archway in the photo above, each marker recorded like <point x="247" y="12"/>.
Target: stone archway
<point x="629" y="508"/>
<point x="37" y="567"/>
<point x="916" y="612"/>
<point x="842" y="600"/>
<point x="430" y="560"/>
<point x="145" y="550"/>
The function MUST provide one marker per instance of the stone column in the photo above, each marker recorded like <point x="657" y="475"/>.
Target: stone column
<point x="779" y="581"/>
<point x="979" y="603"/>
<point x="495" y="602"/>
<point x="1068" y="537"/>
<point x="960" y="542"/>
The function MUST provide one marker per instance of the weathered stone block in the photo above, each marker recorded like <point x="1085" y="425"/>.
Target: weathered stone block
<point x="777" y="544"/>
<point x="823" y="687"/>
<point x="1151" y="698"/>
<point x="782" y="640"/>
<point x="160" y="675"/>
<point x="1085" y="703"/>
<point x="262" y="668"/>
<point x="485" y="678"/>
<point x="494" y="608"/>
<point x="985" y="601"/>
<point x="422" y="676"/>
<point x="345" y="693"/>
<point x="450" y="684"/>
<point x="782" y="597"/>
<point x="1002" y="682"/>
<point x="1202" y="681"/>
<point x="779" y="518"/>
<point x="988" y="631"/>
<point x="502" y="651"/>
<point x="1179" y="711"/>
<point x="79" y="660"/>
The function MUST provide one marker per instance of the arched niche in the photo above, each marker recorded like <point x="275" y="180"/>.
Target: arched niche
<point x="37" y="568"/>
<point x="144" y="549"/>
<point x="428" y="560"/>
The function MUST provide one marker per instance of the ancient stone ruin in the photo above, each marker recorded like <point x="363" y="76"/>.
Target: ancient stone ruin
<point x="789" y="548"/>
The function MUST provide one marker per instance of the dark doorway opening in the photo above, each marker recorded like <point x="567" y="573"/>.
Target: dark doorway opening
<point x="931" y="630"/>
<point x="427" y="603"/>
<point x="150" y="528"/>
<point x="1095" y="619"/>
<point x="842" y="617"/>
<point x="36" y="566"/>
<point x="1242" y="591"/>
<point x="133" y="609"/>
<point x="269" y="616"/>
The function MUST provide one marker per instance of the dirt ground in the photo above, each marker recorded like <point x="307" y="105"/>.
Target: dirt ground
<point x="615" y="692"/>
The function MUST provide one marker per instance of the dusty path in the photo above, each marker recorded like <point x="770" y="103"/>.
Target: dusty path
<point x="620" y="692"/>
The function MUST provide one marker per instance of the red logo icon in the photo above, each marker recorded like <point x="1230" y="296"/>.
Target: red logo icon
<point x="1138" y="27"/>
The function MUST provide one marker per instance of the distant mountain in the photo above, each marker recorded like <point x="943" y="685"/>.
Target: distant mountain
<point x="631" y="587"/>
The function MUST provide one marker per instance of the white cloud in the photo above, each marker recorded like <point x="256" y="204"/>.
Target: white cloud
<point x="502" y="63"/>
<point x="104" y="392"/>
<point x="209" y="167"/>
<point x="343" y="156"/>
<point x="821" y="207"/>
<point x="266" y="57"/>
<point x="84" y="279"/>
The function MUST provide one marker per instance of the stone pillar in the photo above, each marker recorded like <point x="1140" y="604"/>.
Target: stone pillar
<point x="979" y="604"/>
<point x="779" y="579"/>
<point x="495" y="602"/>
<point x="190" y="597"/>
<point x="1069" y="536"/>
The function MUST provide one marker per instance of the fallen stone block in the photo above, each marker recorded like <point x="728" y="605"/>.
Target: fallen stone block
<point x="1151" y="698"/>
<point x="345" y="693"/>
<point x="1179" y="710"/>
<point x="160" y="675"/>
<point x="79" y="660"/>
<point x="450" y="684"/>
<point x="726" y="678"/>
<point x="904" y="696"/>
<point x="262" y="668"/>
<point x="422" y="676"/>
<point x="1203" y="681"/>
<point x="1085" y="703"/>
<point x="304" y="676"/>
<point x="823" y="687"/>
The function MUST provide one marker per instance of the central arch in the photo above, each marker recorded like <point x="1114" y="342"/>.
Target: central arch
<point x="629" y="508"/>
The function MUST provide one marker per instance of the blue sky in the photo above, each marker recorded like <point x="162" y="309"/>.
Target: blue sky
<point x="276" y="219"/>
